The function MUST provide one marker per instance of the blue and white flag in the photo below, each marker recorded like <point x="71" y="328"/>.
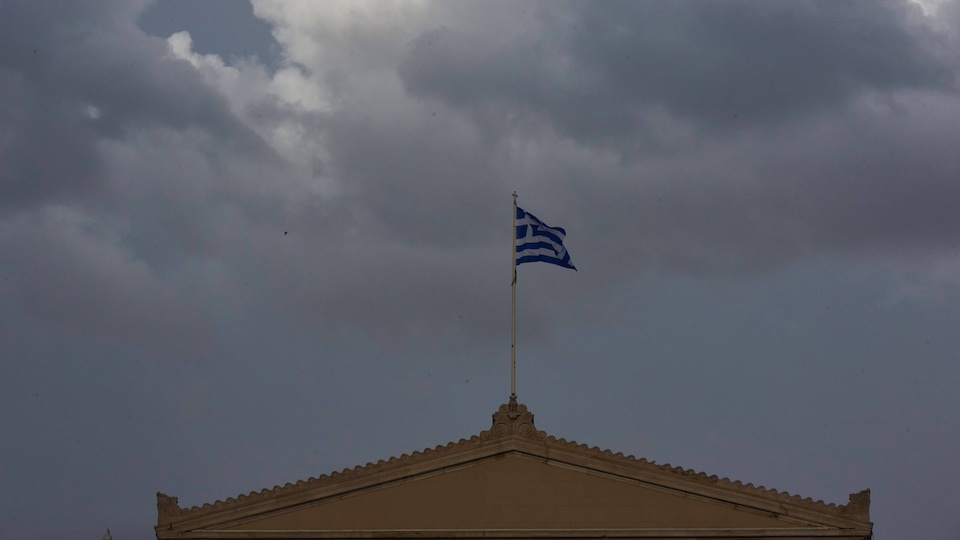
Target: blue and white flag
<point x="539" y="242"/>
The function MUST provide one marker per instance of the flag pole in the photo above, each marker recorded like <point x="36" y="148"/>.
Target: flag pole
<point x="513" y="304"/>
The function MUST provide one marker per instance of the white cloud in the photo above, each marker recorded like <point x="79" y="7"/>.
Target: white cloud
<point x="930" y="7"/>
<point x="280" y="108"/>
<point x="325" y="35"/>
<point x="246" y="82"/>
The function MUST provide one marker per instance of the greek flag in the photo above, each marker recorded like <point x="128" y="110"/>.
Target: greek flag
<point x="539" y="242"/>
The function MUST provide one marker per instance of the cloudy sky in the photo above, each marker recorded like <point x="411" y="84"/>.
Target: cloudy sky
<point x="245" y="244"/>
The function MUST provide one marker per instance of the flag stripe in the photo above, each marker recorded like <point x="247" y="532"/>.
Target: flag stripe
<point x="565" y="261"/>
<point x="540" y="247"/>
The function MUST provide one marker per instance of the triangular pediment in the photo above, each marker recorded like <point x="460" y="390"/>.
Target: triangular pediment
<point x="513" y="492"/>
<point x="513" y="481"/>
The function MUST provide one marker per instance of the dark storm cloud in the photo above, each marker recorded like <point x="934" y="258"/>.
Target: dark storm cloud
<point x="748" y="134"/>
<point x="119" y="169"/>
<point x="420" y="177"/>
<point x="793" y="181"/>
<point x="597" y="72"/>
<point x="62" y="272"/>
<point x="75" y="72"/>
<point x="763" y="199"/>
<point x="47" y="150"/>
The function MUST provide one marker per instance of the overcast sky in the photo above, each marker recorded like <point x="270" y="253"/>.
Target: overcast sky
<point x="242" y="245"/>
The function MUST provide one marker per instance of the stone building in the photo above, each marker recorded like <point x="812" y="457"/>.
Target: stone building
<point x="516" y="482"/>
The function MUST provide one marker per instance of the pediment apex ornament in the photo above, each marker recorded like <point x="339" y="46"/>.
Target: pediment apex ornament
<point x="512" y="420"/>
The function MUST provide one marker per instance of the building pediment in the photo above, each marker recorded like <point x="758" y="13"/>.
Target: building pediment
<point x="514" y="481"/>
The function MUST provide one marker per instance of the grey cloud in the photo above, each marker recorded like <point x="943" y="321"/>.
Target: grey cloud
<point x="91" y="54"/>
<point x="120" y="173"/>
<point x="155" y="175"/>
<point x="763" y="198"/>
<point x="72" y="74"/>
<point x="404" y="299"/>
<point x="65" y="274"/>
<point x="417" y="176"/>
<point x="47" y="150"/>
<point x="597" y="73"/>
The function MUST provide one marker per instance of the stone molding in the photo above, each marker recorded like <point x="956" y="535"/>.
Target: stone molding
<point x="167" y="507"/>
<point x="859" y="504"/>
